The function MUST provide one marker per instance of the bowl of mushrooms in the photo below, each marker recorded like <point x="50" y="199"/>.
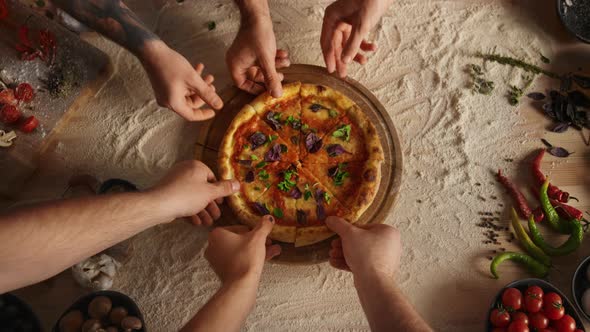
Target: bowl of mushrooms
<point x="102" y="311"/>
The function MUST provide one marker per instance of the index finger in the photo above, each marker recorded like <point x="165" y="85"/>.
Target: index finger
<point x="207" y="93"/>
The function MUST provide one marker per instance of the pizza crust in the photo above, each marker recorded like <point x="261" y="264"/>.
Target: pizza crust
<point x="372" y="142"/>
<point x="226" y="148"/>
<point x="312" y="234"/>
<point x="260" y="103"/>
<point x="371" y="178"/>
<point x="279" y="232"/>
<point x="325" y="92"/>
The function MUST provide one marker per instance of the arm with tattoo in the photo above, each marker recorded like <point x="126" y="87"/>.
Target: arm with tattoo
<point x="176" y="83"/>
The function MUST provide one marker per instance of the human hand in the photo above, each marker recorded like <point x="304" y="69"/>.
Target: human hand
<point x="237" y="253"/>
<point x="366" y="250"/>
<point x="253" y="57"/>
<point x="191" y="190"/>
<point x="177" y="85"/>
<point x="346" y="25"/>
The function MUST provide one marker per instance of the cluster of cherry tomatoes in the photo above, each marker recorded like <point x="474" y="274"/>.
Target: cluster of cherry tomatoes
<point x="9" y="112"/>
<point x="533" y="311"/>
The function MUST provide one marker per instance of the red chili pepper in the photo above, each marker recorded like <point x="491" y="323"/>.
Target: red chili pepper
<point x="48" y="44"/>
<point x="24" y="92"/>
<point x="567" y="211"/>
<point x="3" y="9"/>
<point x="521" y="203"/>
<point x="23" y="36"/>
<point x="29" y="124"/>
<point x="552" y="191"/>
<point x="538" y="214"/>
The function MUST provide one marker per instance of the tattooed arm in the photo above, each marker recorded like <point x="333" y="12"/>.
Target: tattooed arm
<point x="176" y="84"/>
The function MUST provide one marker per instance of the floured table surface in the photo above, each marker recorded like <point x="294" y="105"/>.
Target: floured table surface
<point x="91" y="67"/>
<point x="391" y="170"/>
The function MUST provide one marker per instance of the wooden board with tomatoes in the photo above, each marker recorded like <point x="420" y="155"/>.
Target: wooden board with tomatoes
<point x="36" y="58"/>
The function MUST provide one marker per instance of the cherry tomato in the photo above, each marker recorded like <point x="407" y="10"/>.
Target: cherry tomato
<point x="553" y="310"/>
<point x="549" y="329"/>
<point x="7" y="97"/>
<point x="533" y="299"/>
<point x="519" y="316"/>
<point x="29" y="124"/>
<point x="24" y="92"/>
<point x="512" y="298"/>
<point x="565" y="324"/>
<point x="538" y="320"/>
<point x="9" y="114"/>
<point x="518" y="327"/>
<point x="578" y="330"/>
<point x="551" y="297"/>
<point x="500" y="318"/>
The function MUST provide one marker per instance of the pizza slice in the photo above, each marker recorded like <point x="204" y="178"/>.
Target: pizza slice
<point x="321" y="110"/>
<point x="354" y="184"/>
<point x="353" y="138"/>
<point x="282" y="114"/>
<point x="313" y="208"/>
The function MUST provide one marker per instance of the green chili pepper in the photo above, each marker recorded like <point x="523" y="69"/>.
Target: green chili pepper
<point x="526" y="241"/>
<point x="551" y="215"/>
<point x="569" y="246"/>
<point x="537" y="269"/>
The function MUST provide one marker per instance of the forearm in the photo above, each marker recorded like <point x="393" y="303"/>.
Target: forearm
<point x="386" y="307"/>
<point x="41" y="241"/>
<point x="113" y="19"/>
<point x="228" y="309"/>
<point x="253" y="10"/>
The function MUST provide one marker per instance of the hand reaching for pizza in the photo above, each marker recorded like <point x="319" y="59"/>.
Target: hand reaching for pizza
<point x="380" y="253"/>
<point x="253" y="57"/>
<point x="346" y="25"/>
<point x="177" y="85"/>
<point x="236" y="252"/>
<point x="191" y="190"/>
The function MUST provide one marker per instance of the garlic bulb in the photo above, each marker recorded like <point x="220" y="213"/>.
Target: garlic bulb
<point x="96" y="272"/>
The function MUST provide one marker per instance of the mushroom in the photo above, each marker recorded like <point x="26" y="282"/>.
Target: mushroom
<point x="117" y="315"/>
<point x="99" y="307"/>
<point x="71" y="322"/>
<point x="6" y="138"/>
<point x="91" y="325"/>
<point x="96" y="272"/>
<point x="131" y="323"/>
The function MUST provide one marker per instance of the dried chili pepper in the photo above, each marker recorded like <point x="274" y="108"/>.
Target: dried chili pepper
<point x="48" y="44"/>
<point x="523" y="206"/>
<point x="539" y="176"/>
<point x="568" y="211"/>
<point x="526" y="241"/>
<point x="569" y="246"/>
<point x="538" y="214"/>
<point x="537" y="269"/>
<point x="3" y="9"/>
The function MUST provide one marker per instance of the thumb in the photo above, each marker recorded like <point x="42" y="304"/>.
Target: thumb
<point x="224" y="188"/>
<point x="271" y="77"/>
<point x="264" y="227"/>
<point x="339" y="225"/>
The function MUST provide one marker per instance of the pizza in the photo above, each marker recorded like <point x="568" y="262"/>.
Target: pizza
<point x="310" y="154"/>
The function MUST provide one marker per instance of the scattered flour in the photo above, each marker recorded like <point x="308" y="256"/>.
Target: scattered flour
<point x="452" y="139"/>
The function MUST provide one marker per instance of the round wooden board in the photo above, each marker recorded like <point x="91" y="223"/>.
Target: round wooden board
<point x="391" y="171"/>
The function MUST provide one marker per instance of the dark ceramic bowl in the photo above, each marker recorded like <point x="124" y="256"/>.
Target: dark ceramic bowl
<point x="116" y="186"/>
<point x="118" y="299"/>
<point x="16" y="315"/>
<point x="580" y="284"/>
<point x="522" y="285"/>
<point x="575" y="18"/>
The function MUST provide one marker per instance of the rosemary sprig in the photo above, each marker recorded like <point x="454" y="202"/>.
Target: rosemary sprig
<point x="479" y="84"/>
<point x="517" y="63"/>
<point x="515" y="93"/>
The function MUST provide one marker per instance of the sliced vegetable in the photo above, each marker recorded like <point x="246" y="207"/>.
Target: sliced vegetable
<point x="9" y="114"/>
<point x="29" y="124"/>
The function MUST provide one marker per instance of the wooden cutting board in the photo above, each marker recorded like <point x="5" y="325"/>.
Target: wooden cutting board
<point x="19" y="161"/>
<point x="210" y="139"/>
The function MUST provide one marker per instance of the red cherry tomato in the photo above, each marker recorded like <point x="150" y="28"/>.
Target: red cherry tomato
<point x="533" y="299"/>
<point x="565" y="324"/>
<point x="24" y="92"/>
<point x="512" y="299"/>
<point x="500" y="318"/>
<point x="549" y="329"/>
<point x="29" y="124"/>
<point x="7" y="97"/>
<point x="538" y="320"/>
<point x="551" y="297"/>
<point x="553" y="310"/>
<point x="9" y="114"/>
<point x="518" y="327"/>
<point x="519" y="316"/>
<point x="579" y="330"/>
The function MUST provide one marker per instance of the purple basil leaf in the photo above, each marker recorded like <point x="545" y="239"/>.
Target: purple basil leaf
<point x="333" y="171"/>
<point x="274" y="154"/>
<point x="249" y="177"/>
<point x="547" y="144"/>
<point x="559" y="152"/>
<point x="246" y="163"/>
<point x="315" y="107"/>
<point x="334" y="150"/>
<point x="261" y="209"/>
<point x="554" y="94"/>
<point x="321" y="211"/>
<point x="295" y="193"/>
<point x="319" y="195"/>
<point x="560" y="127"/>
<point x="295" y="139"/>
<point x="536" y="96"/>
<point x="301" y="217"/>
<point x="313" y="143"/>
<point x="548" y="109"/>
<point x="272" y="121"/>
<point x="582" y="81"/>
<point x="257" y="139"/>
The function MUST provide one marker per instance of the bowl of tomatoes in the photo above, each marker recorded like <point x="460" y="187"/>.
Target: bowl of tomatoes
<point x="532" y="305"/>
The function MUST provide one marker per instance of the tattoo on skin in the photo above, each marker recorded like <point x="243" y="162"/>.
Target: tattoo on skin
<point x="113" y="19"/>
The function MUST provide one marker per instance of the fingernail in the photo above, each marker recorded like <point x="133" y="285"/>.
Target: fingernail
<point x="271" y="219"/>
<point x="235" y="185"/>
<point x="346" y="59"/>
